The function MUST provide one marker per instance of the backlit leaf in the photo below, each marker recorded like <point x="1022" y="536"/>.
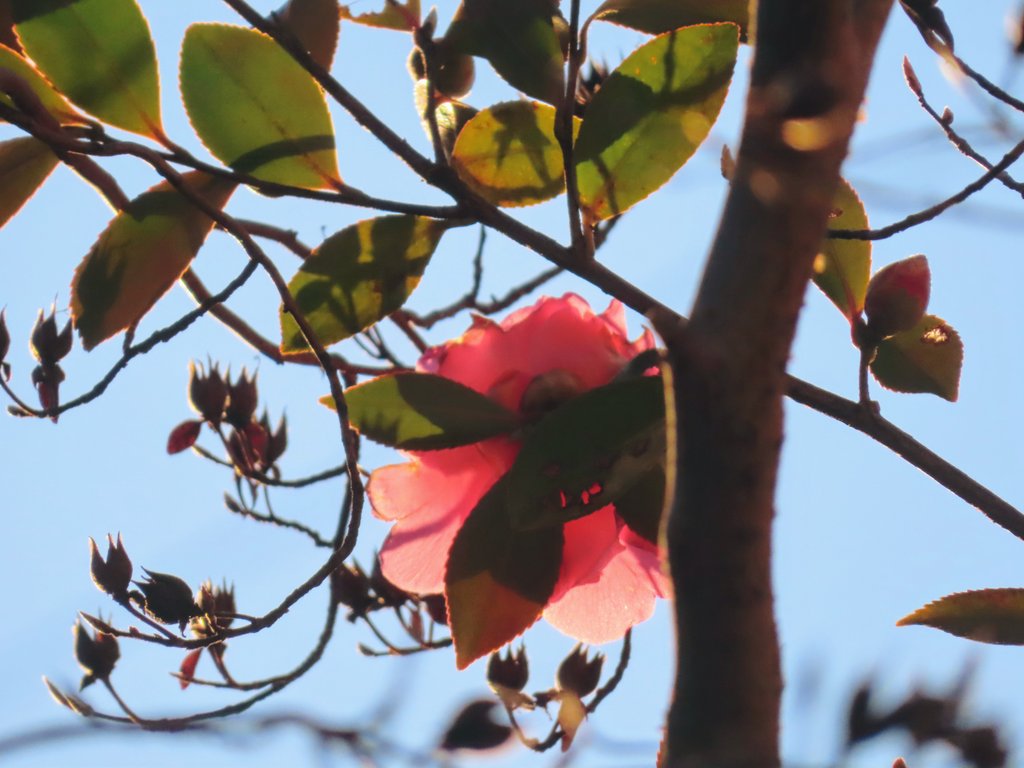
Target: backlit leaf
<point x="395" y="15"/>
<point x="641" y="506"/>
<point x="255" y="108"/>
<point x="315" y="23"/>
<point x="360" y="275"/>
<point x="509" y="155"/>
<point x="452" y="115"/>
<point x="99" y="54"/>
<point x="927" y="358"/>
<point x="657" y="16"/>
<point x="7" y="36"/>
<point x="25" y="163"/>
<point x="140" y="255"/>
<point x="588" y="453"/>
<point x="517" y="38"/>
<point x="498" y="578"/>
<point x="650" y="116"/>
<point x="985" y="615"/>
<point x="421" y="411"/>
<point x="53" y="101"/>
<point x="843" y="267"/>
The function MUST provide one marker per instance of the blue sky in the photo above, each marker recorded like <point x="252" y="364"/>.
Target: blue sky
<point x="862" y="537"/>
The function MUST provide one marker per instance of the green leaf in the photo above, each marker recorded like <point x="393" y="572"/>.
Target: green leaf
<point x="985" y="615"/>
<point x="843" y="267"/>
<point x="99" y="54"/>
<point x="588" y="453"/>
<point x="422" y="412"/>
<point x="641" y="506"/>
<point x="650" y="115"/>
<point x="359" y="276"/>
<point x="517" y="38"/>
<point x="52" y="101"/>
<point x="395" y="15"/>
<point x="927" y="358"/>
<point x="658" y="16"/>
<point x="509" y="155"/>
<point x="7" y="36"/>
<point x="316" y="24"/>
<point x="140" y="255"/>
<point x="25" y="163"/>
<point x="255" y="108"/>
<point x="498" y="578"/>
<point x="452" y="115"/>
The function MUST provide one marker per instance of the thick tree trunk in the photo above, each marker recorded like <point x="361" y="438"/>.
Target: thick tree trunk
<point x="811" y="66"/>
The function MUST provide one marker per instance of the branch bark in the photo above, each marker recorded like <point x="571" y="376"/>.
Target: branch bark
<point x="810" y="70"/>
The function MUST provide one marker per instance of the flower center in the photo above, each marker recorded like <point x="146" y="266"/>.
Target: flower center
<point x="548" y="391"/>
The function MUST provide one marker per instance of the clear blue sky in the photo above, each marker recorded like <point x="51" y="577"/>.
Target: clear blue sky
<point x="863" y="538"/>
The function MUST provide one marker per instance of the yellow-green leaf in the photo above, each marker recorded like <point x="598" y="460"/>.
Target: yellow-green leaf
<point x="360" y="275"/>
<point x="519" y="40"/>
<point x="99" y="54"/>
<point x="650" y="116"/>
<point x="498" y="579"/>
<point x="315" y="23"/>
<point x="54" y="103"/>
<point x="658" y="16"/>
<point x="986" y="615"/>
<point x="509" y="155"/>
<point x="927" y="358"/>
<point x="25" y="163"/>
<point x="395" y="15"/>
<point x="255" y="108"/>
<point x="140" y="255"/>
<point x="843" y="267"/>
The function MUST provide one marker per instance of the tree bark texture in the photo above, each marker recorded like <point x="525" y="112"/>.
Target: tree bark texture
<point x="811" y="64"/>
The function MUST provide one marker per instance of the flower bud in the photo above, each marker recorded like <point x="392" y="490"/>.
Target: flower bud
<point x="46" y="378"/>
<point x="437" y="608"/>
<point x="215" y="605"/>
<point x="511" y="670"/>
<point x="114" y="574"/>
<point x="166" y="598"/>
<point x="387" y="593"/>
<point x="95" y="655"/>
<point x="277" y="439"/>
<point x="350" y="587"/>
<point x="897" y="297"/>
<point x="5" y="336"/>
<point x="474" y="729"/>
<point x="243" y="397"/>
<point x="48" y="344"/>
<point x="578" y="674"/>
<point x="207" y="394"/>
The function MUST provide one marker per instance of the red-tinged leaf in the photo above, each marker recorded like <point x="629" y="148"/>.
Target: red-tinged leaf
<point x="184" y="436"/>
<point x="25" y="163"/>
<point x="986" y="615"/>
<point x="140" y="255"/>
<point x="927" y="358"/>
<point x="54" y="103"/>
<point x="187" y="672"/>
<point x="316" y="24"/>
<point x="98" y="53"/>
<point x="517" y="38"/>
<point x="403" y="17"/>
<point x="842" y="268"/>
<point x="422" y="412"/>
<point x="498" y="579"/>
<point x="897" y="296"/>
<point x="658" y="16"/>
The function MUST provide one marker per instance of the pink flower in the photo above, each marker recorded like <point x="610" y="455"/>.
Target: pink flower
<point x="609" y="576"/>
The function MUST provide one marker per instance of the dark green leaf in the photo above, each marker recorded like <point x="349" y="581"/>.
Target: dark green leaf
<point x="519" y="40"/>
<point x="650" y="116"/>
<point x="7" y="36"/>
<point x="587" y="453"/>
<point x="927" y="358"/>
<point x="315" y="23"/>
<point x="421" y="411"/>
<point x="359" y="276"/>
<point x="843" y="267"/>
<point x="509" y="155"/>
<point x="140" y="255"/>
<point x="642" y="505"/>
<point x="255" y="108"/>
<point x="498" y="578"/>
<point x="99" y="54"/>
<point x="985" y="615"/>
<point x="657" y="16"/>
<point x="25" y="163"/>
